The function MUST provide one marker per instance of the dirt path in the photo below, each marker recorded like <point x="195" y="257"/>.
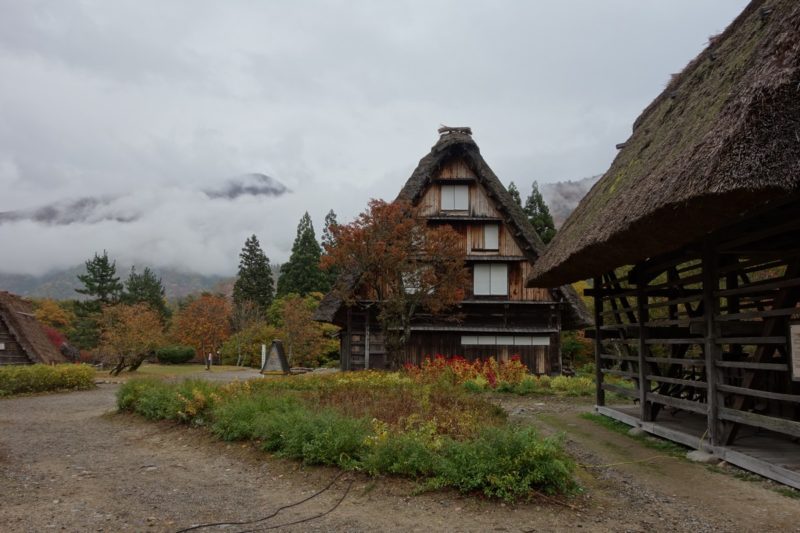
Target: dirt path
<point x="68" y="463"/>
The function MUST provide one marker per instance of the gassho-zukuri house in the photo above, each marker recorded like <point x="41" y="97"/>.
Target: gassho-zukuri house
<point x="499" y="316"/>
<point x="692" y="240"/>
<point x="22" y="339"/>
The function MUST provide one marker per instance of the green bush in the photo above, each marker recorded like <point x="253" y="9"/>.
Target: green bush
<point x="20" y="379"/>
<point x="175" y="355"/>
<point x="288" y="419"/>
<point x="150" y="398"/>
<point x="578" y="386"/>
<point x="505" y="463"/>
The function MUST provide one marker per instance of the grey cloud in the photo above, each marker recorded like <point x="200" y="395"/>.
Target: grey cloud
<point x="249" y="185"/>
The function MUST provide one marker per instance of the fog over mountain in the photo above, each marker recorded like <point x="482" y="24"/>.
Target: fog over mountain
<point x="120" y="124"/>
<point x="562" y="197"/>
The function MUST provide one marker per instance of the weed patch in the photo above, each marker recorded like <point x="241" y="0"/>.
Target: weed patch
<point x="379" y="423"/>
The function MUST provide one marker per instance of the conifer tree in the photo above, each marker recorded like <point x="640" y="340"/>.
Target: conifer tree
<point x="539" y="215"/>
<point x="146" y="288"/>
<point x="254" y="281"/>
<point x="302" y="274"/>
<point x="100" y="281"/>
<point x="328" y="242"/>
<point x="514" y="192"/>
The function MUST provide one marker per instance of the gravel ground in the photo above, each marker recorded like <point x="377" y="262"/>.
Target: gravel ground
<point x="68" y="462"/>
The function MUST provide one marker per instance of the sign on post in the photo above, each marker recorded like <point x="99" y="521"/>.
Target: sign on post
<point x="794" y="336"/>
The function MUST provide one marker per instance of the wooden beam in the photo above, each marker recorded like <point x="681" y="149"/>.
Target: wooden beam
<point x="794" y="398"/>
<point x="644" y="383"/>
<point x="781" y="425"/>
<point x="778" y="367"/>
<point x="679" y="403"/>
<point x="711" y="347"/>
<point x="600" y="398"/>
<point x="677" y="381"/>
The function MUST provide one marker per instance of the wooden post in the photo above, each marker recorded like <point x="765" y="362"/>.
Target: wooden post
<point x="344" y="357"/>
<point x="711" y="348"/>
<point x="598" y="341"/>
<point x="366" y="339"/>
<point x="642" y="314"/>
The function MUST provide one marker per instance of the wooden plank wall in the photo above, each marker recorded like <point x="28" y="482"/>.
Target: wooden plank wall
<point x="13" y="353"/>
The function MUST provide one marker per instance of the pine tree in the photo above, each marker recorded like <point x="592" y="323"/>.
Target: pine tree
<point x="539" y="215"/>
<point x="514" y="192"/>
<point x="302" y="274"/>
<point x="254" y="281"/>
<point x="100" y="281"/>
<point x="146" y="288"/>
<point x="328" y="242"/>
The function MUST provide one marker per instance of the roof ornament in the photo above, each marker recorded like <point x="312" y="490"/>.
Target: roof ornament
<point x="445" y="130"/>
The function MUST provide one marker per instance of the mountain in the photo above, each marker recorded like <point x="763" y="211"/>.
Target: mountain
<point x="61" y="284"/>
<point x="562" y="197"/>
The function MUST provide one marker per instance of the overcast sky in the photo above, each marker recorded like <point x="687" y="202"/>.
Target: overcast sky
<point x="146" y="105"/>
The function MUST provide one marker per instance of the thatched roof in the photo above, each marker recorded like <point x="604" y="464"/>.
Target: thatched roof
<point x="18" y="316"/>
<point x="458" y="143"/>
<point x="722" y="139"/>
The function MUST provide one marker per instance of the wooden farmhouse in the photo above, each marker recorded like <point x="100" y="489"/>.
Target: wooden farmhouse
<point x="692" y="239"/>
<point x="499" y="317"/>
<point x="22" y="340"/>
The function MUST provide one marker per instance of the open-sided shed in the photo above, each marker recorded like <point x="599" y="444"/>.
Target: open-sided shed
<point x="692" y="239"/>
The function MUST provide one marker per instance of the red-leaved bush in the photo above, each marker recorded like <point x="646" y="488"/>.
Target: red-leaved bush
<point x="54" y="336"/>
<point x="458" y="370"/>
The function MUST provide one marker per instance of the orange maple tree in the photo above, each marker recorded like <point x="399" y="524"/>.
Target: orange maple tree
<point x="205" y="323"/>
<point x="400" y="261"/>
<point x="129" y="333"/>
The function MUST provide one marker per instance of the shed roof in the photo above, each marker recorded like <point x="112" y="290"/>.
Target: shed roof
<point x="458" y="143"/>
<point x="18" y="315"/>
<point x="722" y="139"/>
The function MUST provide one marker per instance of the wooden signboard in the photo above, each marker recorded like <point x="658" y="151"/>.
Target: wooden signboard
<point x="794" y="335"/>
<point x="276" y="362"/>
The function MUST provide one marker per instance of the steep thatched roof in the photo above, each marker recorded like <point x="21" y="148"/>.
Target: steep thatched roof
<point x="458" y="143"/>
<point x="722" y="139"/>
<point x="18" y="316"/>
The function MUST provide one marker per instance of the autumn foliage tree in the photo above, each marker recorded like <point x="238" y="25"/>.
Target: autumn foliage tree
<point x="308" y="342"/>
<point x="204" y="323"/>
<point x="401" y="262"/>
<point x="129" y="333"/>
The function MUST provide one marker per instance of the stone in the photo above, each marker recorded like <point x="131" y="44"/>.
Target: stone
<point x="637" y="432"/>
<point x="699" y="456"/>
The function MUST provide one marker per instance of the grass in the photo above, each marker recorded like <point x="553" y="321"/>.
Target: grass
<point x="26" y="379"/>
<point x="377" y="423"/>
<point x="665" y="446"/>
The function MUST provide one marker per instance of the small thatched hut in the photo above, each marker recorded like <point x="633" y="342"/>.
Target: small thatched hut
<point x="499" y="317"/>
<point x="692" y="239"/>
<point x="22" y="340"/>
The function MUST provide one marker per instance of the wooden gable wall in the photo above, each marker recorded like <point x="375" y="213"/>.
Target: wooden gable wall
<point x="481" y="211"/>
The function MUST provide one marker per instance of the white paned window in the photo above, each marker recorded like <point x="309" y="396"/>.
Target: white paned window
<point x="504" y="340"/>
<point x="491" y="237"/>
<point x="2" y="346"/>
<point x="455" y="197"/>
<point x="490" y="279"/>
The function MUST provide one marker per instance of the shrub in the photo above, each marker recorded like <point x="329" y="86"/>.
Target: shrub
<point x="580" y="386"/>
<point x="506" y="464"/>
<point x="40" y="378"/>
<point x="175" y="355"/>
<point x="150" y="398"/>
<point x="457" y="370"/>
<point x="381" y="423"/>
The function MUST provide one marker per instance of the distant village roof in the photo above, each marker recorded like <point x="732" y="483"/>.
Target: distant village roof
<point x="458" y="142"/>
<point x="722" y="139"/>
<point x="18" y="316"/>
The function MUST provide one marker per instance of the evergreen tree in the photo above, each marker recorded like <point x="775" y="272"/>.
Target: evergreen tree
<point x="539" y="215"/>
<point x="146" y="288"/>
<point x="328" y="242"/>
<point x="514" y="192"/>
<point x="254" y="281"/>
<point x="302" y="274"/>
<point x="100" y="281"/>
